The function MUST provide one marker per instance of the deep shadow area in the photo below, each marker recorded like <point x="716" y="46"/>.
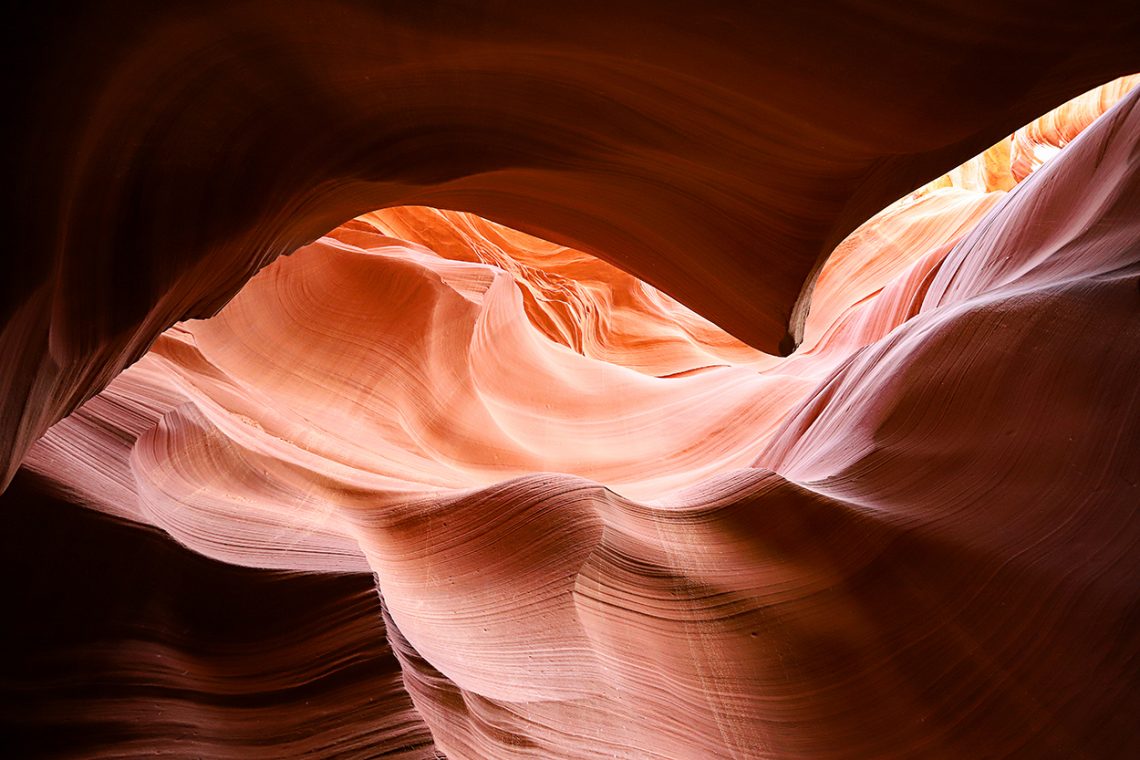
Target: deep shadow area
<point x="117" y="638"/>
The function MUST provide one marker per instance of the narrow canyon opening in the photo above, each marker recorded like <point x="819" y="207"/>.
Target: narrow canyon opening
<point x="415" y="349"/>
<point x="445" y="488"/>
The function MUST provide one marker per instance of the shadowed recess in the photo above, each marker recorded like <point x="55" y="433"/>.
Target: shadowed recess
<point x="603" y="527"/>
<point x="120" y="643"/>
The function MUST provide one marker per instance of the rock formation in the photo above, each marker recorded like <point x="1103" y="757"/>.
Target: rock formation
<point x="431" y="485"/>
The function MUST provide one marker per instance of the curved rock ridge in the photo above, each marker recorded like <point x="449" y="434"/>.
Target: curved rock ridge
<point x="574" y="298"/>
<point x="157" y="168"/>
<point x="128" y="645"/>
<point x="1013" y="159"/>
<point x="603" y="528"/>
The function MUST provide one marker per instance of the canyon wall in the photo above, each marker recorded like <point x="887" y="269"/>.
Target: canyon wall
<point x="761" y="448"/>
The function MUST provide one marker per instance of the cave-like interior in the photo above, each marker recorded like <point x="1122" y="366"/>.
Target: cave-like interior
<point x="647" y="380"/>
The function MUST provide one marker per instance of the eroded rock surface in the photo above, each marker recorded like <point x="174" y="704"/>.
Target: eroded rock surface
<point x="603" y="527"/>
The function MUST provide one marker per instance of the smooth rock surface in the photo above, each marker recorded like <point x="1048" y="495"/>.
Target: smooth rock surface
<point x="160" y="154"/>
<point x="601" y="527"/>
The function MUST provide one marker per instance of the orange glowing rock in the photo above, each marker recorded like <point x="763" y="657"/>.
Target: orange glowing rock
<point x="601" y="526"/>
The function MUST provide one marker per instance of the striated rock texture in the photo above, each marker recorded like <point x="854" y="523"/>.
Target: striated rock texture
<point x="430" y="486"/>
<point x="161" y="153"/>
<point x="120" y="643"/>
<point x="602" y="527"/>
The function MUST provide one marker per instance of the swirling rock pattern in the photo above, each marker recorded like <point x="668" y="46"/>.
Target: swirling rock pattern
<point x="602" y="527"/>
<point x="128" y="645"/>
<point x="165" y="152"/>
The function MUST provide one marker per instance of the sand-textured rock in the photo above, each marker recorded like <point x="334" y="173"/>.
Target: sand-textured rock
<point x="160" y="154"/>
<point x="597" y="524"/>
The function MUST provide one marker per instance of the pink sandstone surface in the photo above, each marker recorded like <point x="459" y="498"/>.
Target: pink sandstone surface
<point x="451" y="489"/>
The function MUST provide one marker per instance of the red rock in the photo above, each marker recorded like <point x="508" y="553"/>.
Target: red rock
<point x="600" y="525"/>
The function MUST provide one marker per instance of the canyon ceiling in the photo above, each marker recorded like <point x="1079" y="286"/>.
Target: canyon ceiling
<point x="523" y="380"/>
